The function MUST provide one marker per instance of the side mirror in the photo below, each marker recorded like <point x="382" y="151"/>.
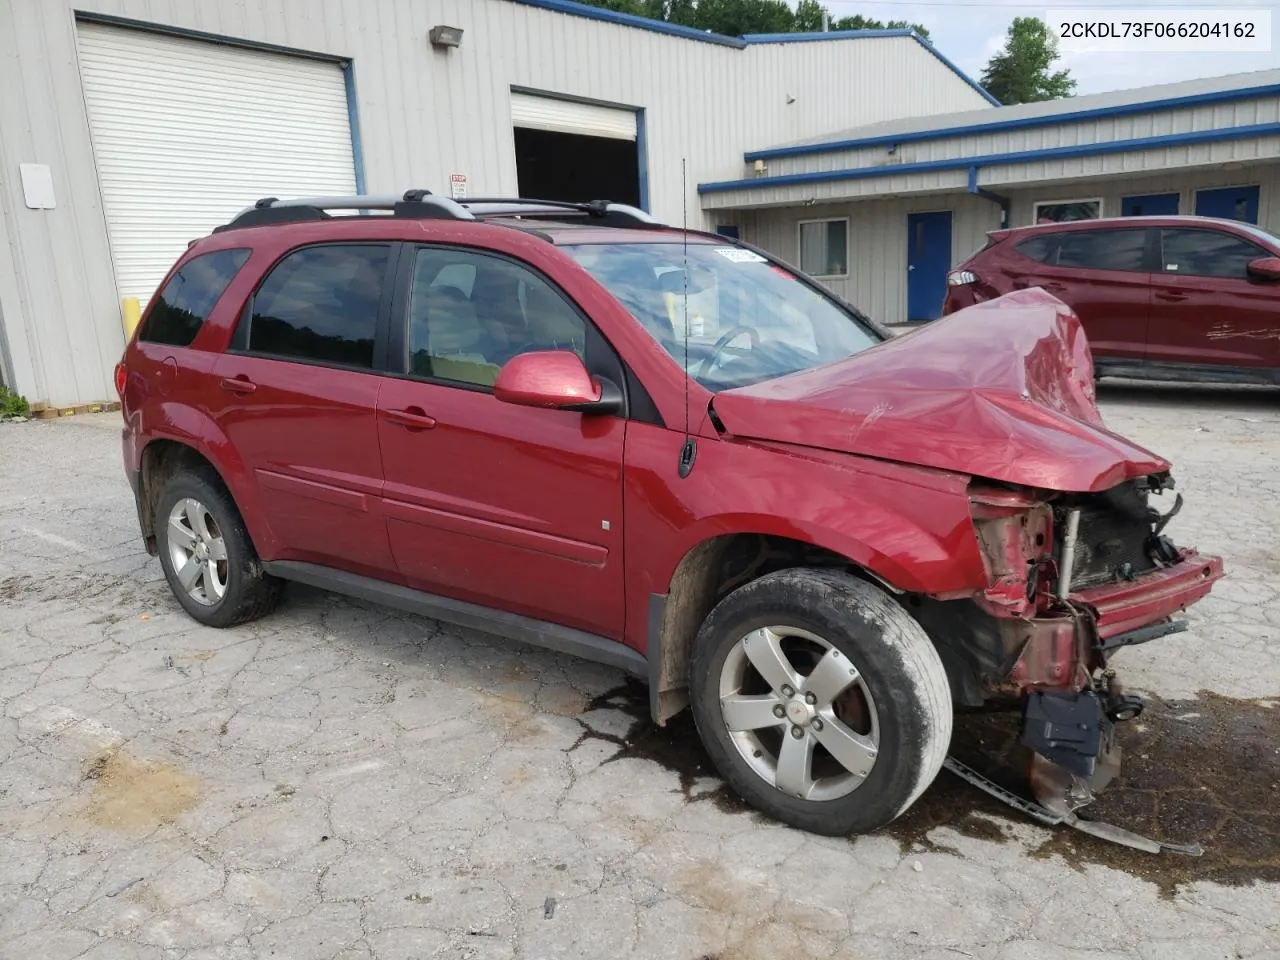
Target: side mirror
<point x="556" y="379"/>
<point x="1265" y="268"/>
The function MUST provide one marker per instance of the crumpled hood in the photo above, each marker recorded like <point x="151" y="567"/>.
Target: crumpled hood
<point x="1002" y="390"/>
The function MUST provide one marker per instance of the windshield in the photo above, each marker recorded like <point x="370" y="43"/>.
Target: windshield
<point x="748" y="320"/>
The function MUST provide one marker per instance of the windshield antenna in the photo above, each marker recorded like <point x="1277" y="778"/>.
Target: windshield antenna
<point x="690" y="449"/>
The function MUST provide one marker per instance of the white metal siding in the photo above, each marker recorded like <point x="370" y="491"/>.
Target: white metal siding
<point x="877" y="280"/>
<point x="424" y="114"/>
<point x="186" y="132"/>
<point x="569" y="116"/>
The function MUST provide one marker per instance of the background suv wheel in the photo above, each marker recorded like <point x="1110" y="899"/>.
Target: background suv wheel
<point x="207" y="555"/>
<point x="821" y="701"/>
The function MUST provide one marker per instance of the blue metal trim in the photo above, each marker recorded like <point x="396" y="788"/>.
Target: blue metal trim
<point x="973" y="179"/>
<point x="642" y="152"/>
<point x="1025" y="123"/>
<point x="353" y="122"/>
<point x="998" y="159"/>
<point x="946" y="62"/>
<point x="754" y="38"/>
<point x="106" y="19"/>
<point x="631" y="20"/>
<point x="690" y="33"/>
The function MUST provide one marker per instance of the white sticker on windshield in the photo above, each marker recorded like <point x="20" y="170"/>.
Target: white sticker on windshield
<point x="738" y="255"/>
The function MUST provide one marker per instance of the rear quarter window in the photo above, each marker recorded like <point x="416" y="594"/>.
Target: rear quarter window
<point x="189" y="297"/>
<point x="1042" y="248"/>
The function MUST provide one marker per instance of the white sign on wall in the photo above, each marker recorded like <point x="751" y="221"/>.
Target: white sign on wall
<point x="37" y="185"/>
<point x="458" y="186"/>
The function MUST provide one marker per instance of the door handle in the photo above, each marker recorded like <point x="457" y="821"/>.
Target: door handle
<point x="1170" y="297"/>
<point x="238" y="384"/>
<point x="415" y="418"/>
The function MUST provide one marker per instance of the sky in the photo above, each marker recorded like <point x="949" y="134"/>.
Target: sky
<point x="969" y="31"/>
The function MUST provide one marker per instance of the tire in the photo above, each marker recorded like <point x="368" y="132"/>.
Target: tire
<point x="892" y="720"/>
<point x="196" y="517"/>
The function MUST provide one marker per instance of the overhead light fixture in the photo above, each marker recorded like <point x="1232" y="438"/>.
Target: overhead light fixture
<point x="443" y="37"/>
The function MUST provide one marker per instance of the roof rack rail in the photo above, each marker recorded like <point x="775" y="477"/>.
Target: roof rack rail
<point x="600" y="212"/>
<point x="423" y="204"/>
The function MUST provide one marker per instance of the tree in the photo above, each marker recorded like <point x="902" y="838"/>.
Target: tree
<point x="734" y="18"/>
<point x="859" y="22"/>
<point x="1020" y="72"/>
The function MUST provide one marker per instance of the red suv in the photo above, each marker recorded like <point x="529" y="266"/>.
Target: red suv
<point x="1163" y="298"/>
<point x="569" y="425"/>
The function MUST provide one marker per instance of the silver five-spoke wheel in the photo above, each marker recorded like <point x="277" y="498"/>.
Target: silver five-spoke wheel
<point x="799" y="713"/>
<point x="197" y="551"/>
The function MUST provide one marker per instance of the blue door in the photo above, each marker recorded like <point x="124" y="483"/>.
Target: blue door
<point x="928" y="260"/>
<point x="1150" y="205"/>
<point x="728" y="230"/>
<point x="1229" y="203"/>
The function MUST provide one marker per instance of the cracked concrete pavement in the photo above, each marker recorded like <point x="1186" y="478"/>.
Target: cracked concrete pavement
<point x="342" y="781"/>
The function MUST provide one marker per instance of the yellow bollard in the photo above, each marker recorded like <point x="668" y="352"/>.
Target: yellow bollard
<point x="132" y="312"/>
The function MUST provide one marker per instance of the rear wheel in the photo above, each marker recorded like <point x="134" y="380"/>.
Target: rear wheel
<point x="207" y="555"/>
<point x="821" y="701"/>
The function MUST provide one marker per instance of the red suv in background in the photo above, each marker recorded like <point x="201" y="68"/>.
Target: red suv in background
<point x="1164" y="298"/>
<point x="569" y="425"/>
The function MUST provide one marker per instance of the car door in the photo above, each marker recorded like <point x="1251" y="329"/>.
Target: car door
<point x="512" y="507"/>
<point x="1104" y="276"/>
<point x="1206" y="309"/>
<point x="299" y="397"/>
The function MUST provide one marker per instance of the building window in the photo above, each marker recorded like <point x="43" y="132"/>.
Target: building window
<point x="1064" y="211"/>
<point x="824" y="247"/>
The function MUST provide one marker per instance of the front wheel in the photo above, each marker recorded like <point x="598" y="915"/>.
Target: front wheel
<point x="820" y="700"/>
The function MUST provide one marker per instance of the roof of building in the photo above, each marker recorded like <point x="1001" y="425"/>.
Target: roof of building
<point x="1237" y="86"/>
<point x="751" y="39"/>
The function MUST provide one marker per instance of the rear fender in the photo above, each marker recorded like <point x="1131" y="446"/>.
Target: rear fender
<point x="190" y="427"/>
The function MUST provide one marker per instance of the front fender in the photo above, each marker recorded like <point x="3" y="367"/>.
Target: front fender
<point x="909" y="526"/>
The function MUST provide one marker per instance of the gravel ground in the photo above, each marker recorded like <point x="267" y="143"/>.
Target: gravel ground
<point x="339" y="780"/>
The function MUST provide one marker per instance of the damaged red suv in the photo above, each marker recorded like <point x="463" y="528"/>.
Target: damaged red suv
<point x="569" y="425"/>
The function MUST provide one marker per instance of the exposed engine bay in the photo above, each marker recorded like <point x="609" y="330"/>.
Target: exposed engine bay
<point x="1073" y="577"/>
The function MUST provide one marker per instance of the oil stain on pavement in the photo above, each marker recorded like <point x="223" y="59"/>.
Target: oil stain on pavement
<point x="1201" y="771"/>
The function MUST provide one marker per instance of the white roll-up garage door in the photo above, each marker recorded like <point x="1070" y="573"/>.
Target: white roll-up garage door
<point x="569" y="116"/>
<point x="186" y="133"/>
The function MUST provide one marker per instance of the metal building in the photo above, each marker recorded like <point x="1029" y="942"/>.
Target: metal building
<point x="128" y="127"/>
<point x="881" y="212"/>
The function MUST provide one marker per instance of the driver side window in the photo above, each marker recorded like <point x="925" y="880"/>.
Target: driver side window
<point x="469" y="313"/>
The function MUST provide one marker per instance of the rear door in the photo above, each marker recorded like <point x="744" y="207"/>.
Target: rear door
<point x="505" y="506"/>
<point x="1206" y="309"/>
<point x="299" y="394"/>
<point x="1104" y="276"/>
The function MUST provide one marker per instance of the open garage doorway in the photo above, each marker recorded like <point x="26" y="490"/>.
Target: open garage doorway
<point x="569" y="150"/>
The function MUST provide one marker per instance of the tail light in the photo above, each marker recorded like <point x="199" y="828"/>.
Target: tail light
<point x="961" y="278"/>
<point x="122" y="376"/>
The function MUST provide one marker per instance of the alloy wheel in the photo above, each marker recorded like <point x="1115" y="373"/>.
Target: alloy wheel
<point x="197" y="551"/>
<point x="799" y="713"/>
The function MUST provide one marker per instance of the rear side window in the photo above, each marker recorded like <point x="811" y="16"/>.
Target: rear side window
<point x="1208" y="253"/>
<point x="188" y="298"/>
<point x="1042" y="248"/>
<point x="1104" y="249"/>
<point x="321" y="304"/>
